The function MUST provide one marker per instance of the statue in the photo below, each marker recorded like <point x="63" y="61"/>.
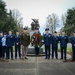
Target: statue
<point x="34" y="24"/>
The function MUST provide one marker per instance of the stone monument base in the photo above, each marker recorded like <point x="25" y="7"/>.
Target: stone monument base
<point x="31" y="50"/>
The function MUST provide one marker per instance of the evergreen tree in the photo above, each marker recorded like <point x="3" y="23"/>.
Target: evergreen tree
<point x="70" y="22"/>
<point x="3" y="15"/>
<point x="8" y="21"/>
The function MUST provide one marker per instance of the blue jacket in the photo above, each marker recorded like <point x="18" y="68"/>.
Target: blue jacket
<point x="17" y="39"/>
<point x="47" y="39"/>
<point x="55" y="41"/>
<point x="3" y="41"/>
<point x="72" y="41"/>
<point x="63" y="41"/>
<point x="10" y="41"/>
<point x="0" y="40"/>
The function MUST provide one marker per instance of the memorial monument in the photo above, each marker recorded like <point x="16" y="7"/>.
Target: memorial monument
<point x="34" y="25"/>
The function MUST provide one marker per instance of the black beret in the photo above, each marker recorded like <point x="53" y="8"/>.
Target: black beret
<point x="47" y="29"/>
<point x="25" y="28"/>
<point x="55" y="32"/>
<point x="63" y="31"/>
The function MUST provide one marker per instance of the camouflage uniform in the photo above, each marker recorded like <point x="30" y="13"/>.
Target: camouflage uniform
<point x="25" y="41"/>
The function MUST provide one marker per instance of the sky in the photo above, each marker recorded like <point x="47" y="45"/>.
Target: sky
<point x="39" y="9"/>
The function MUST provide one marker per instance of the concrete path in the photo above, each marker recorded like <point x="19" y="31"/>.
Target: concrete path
<point x="37" y="66"/>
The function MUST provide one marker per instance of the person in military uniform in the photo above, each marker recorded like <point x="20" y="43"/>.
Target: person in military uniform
<point x="25" y="41"/>
<point x="4" y="48"/>
<point x="55" y="40"/>
<point x="73" y="46"/>
<point x="47" y="43"/>
<point x="17" y="45"/>
<point x="36" y="40"/>
<point x="9" y="44"/>
<point x="63" y="44"/>
<point x="1" y="36"/>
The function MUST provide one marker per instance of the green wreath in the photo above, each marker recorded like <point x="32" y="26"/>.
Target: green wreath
<point x="33" y="43"/>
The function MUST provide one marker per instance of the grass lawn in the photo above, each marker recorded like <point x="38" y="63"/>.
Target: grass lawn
<point x="69" y="50"/>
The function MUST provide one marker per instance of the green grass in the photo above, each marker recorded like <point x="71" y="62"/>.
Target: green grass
<point x="69" y="49"/>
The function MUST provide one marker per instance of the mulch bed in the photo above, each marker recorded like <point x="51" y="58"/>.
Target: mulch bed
<point x="70" y="53"/>
<point x="3" y="60"/>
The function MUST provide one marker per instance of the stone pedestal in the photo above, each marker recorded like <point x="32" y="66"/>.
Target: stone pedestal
<point x="31" y="49"/>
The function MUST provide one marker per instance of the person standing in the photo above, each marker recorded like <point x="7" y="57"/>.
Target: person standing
<point x="55" y="40"/>
<point x="73" y="46"/>
<point x="25" y="41"/>
<point x="36" y="39"/>
<point x="47" y="43"/>
<point x="17" y="45"/>
<point x="1" y="36"/>
<point x="10" y="44"/>
<point x="63" y="44"/>
<point x="4" y="48"/>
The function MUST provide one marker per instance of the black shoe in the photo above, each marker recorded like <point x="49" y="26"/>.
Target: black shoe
<point x="7" y="58"/>
<point x="15" y="57"/>
<point x="65" y="61"/>
<point x="22" y="58"/>
<point x="19" y="57"/>
<point x="61" y="58"/>
<point x="48" y="58"/>
<point x="11" y="58"/>
<point x="37" y="54"/>
<point x="26" y="58"/>
<point x="72" y="60"/>
<point x="56" y="58"/>
<point x="45" y="58"/>
<point x="52" y="58"/>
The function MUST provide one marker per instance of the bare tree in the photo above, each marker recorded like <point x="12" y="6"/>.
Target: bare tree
<point x="17" y="16"/>
<point x="52" y="22"/>
<point x="63" y="19"/>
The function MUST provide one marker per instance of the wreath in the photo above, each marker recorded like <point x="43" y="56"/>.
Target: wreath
<point x="41" y="41"/>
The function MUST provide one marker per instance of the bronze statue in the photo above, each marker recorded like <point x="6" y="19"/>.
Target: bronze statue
<point x="34" y="24"/>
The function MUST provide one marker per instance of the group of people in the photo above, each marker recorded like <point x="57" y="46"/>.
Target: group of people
<point x="10" y="43"/>
<point x="7" y="41"/>
<point x="53" y="40"/>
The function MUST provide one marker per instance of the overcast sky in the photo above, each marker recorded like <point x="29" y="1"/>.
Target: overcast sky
<point x="39" y="9"/>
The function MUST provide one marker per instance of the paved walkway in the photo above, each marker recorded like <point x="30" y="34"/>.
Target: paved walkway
<point x="37" y="66"/>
